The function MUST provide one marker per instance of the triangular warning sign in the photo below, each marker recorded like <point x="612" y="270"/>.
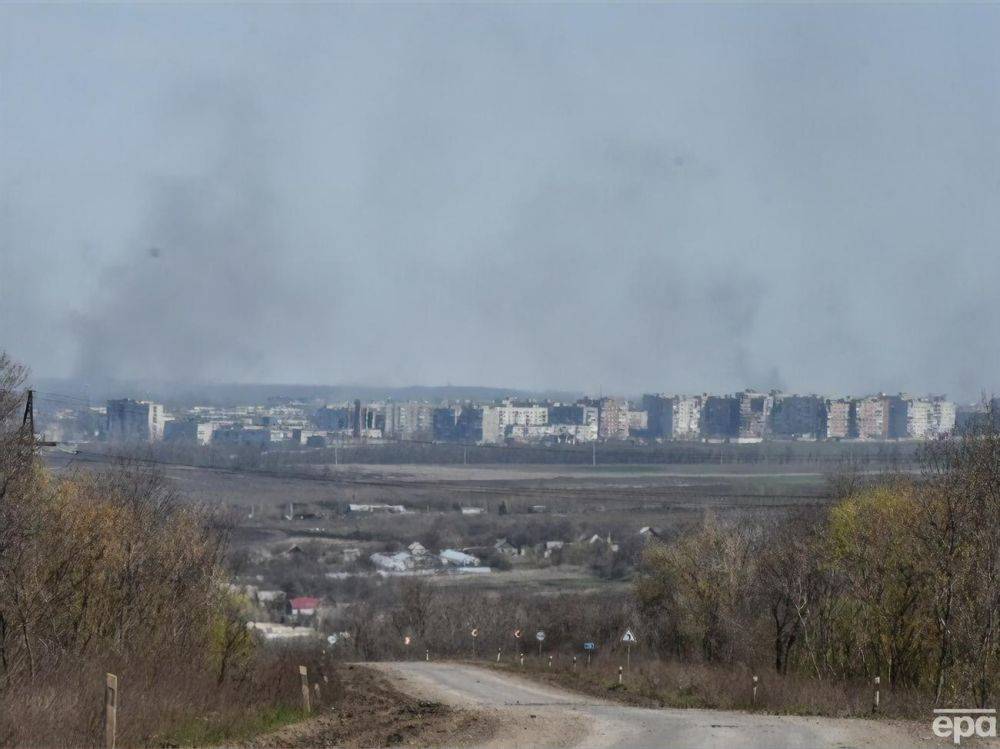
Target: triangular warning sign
<point x="628" y="636"/>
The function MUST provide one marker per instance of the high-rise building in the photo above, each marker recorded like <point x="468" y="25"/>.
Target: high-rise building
<point x="943" y="414"/>
<point x="333" y="418"/>
<point x="870" y="418"/>
<point x="798" y="416"/>
<point x="443" y="423"/>
<point x="496" y="419"/>
<point x="638" y="423"/>
<point x="720" y="417"/>
<point x="134" y="421"/>
<point x="659" y="415"/>
<point x="612" y="419"/>
<point x="917" y="418"/>
<point x="673" y="416"/>
<point x="687" y="416"/>
<point x="837" y="419"/>
<point x="409" y="420"/>
<point x="469" y="424"/>
<point x="754" y="414"/>
<point x="188" y="431"/>
<point x="576" y="414"/>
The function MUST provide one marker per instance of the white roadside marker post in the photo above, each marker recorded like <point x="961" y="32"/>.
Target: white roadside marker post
<point x="620" y="669"/>
<point x="110" y="710"/>
<point x="755" y="691"/>
<point x="306" y="702"/>
<point x="878" y="680"/>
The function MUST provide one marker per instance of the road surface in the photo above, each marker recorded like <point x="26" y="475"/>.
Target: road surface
<point x="532" y="714"/>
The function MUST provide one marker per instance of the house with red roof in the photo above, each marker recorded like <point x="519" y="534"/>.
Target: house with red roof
<point x="303" y="607"/>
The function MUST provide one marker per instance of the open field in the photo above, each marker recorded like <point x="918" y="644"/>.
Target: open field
<point x="305" y="507"/>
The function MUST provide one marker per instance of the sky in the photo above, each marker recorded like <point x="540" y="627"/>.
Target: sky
<point x="604" y="198"/>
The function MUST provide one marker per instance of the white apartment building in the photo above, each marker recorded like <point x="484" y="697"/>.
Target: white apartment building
<point x="942" y="419"/>
<point x="496" y="419"/>
<point x="687" y="417"/>
<point x="918" y="419"/>
<point x="562" y="432"/>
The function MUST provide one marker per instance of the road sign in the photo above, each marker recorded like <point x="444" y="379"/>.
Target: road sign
<point x="406" y="640"/>
<point x="628" y="636"/>
<point x="517" y="633"/>
<point x="332" y="639"/>
<point x="589" y="646"/>
<point x="540" y="635"/>
<point x="474" y="632"/>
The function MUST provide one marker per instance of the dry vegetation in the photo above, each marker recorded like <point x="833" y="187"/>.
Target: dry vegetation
<point x="108" y="572"/>
<point x="897" y="579"/>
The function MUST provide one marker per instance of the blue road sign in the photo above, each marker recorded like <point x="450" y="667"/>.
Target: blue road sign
<point x="589" y="646"/>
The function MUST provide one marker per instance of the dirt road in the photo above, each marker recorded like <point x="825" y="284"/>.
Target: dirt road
<point x="532" y="715"/>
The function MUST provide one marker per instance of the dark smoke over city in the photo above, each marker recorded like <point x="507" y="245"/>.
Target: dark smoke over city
<point x="665" y="198"/>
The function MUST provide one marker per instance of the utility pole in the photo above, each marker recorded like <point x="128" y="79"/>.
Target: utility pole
<point x="29" y="421"/>
<point x="29" y="413"/>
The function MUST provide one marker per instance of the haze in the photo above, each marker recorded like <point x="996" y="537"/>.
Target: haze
<point x="615" y="199"/>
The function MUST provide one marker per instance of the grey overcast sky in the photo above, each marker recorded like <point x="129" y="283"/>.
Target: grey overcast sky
<point x="615" y="198"/>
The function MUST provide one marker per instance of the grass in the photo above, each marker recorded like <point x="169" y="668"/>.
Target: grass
<point x="216" y="729"/>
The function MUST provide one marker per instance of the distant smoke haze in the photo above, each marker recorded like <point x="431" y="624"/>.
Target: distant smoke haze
<point x="600" y="199"/>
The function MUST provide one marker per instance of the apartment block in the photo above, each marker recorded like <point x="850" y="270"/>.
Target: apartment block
<point x="612" y="419"/>
<point x="659" y="415"/>
<point x="576" y="413"/>
<point x="720" y="417"/>
<point x="189" y="432"/>
<point x="687" y="416"/>
<point x="134" y="421"/>
<point x="798" y="417"/>
<point x="870" y="418"/>
<point x="638" y="422"/>
<point x="754" y="415"/>
<point x="943" y="414"/>
<point x="496" y="419"/>
<point x="837" y="419"/>
<point x="408" y="420"/>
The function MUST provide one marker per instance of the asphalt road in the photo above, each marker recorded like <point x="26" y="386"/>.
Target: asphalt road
<point x="534" y="715"/>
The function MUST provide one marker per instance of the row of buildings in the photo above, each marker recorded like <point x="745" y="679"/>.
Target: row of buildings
<point x="751" y="416"/>
<point x="748" y="416"/>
